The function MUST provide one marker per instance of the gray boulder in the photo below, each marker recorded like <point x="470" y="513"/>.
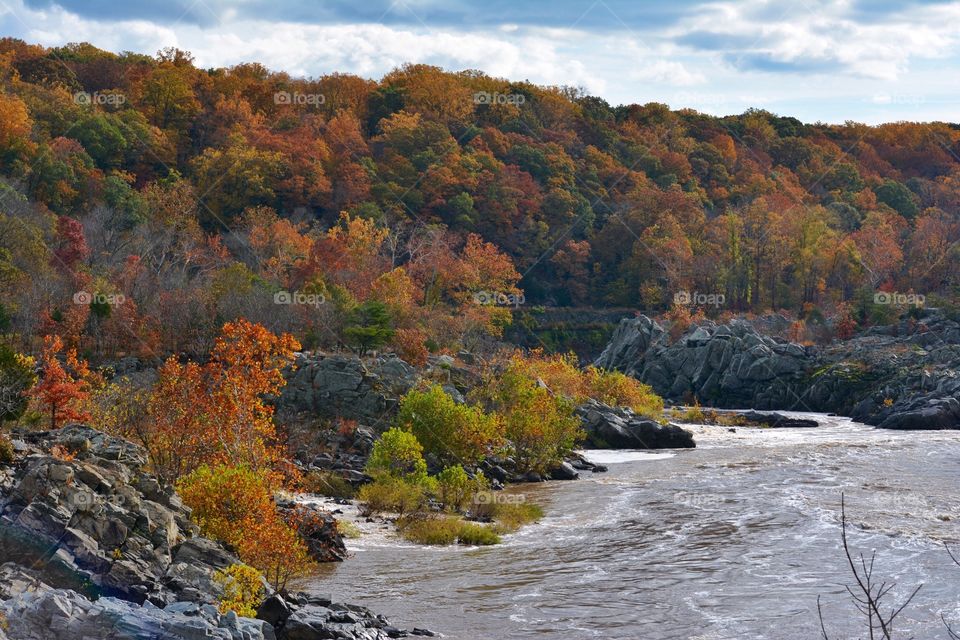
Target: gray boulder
<point x="620" y="428"/>
<point x="66" y="615"/>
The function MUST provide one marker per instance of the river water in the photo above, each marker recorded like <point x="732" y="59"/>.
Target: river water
<point x="732" y="540"/>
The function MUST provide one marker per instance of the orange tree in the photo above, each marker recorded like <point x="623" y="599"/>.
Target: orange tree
<point x="61" y="390"/>
<point x="216" y="413"/>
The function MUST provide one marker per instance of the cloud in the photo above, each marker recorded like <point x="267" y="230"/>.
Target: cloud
<point x="822" y="37"/>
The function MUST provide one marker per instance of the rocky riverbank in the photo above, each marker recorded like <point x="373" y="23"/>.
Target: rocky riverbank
<point x="336" y="405"/>
<point x="905" y="376"/>
<point x="92" y="546"/>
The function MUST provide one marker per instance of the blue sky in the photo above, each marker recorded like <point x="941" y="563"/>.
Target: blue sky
<point x="869" y="61"/>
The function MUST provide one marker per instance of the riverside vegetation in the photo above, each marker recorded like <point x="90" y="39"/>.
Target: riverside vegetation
<point x="209" y="431"/>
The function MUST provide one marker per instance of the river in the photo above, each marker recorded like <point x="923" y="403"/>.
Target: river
<point x="732" y="540"/>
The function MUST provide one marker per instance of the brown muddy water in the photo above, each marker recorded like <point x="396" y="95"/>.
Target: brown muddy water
<point x="732" y="540"/>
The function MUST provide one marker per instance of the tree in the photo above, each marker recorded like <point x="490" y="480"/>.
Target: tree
<point x="61" y="390"/>
<point x="216" y="413"/>
<point x="369" y="327"/>
<point x="453" y="432"/>
<point x="540" y="426"/>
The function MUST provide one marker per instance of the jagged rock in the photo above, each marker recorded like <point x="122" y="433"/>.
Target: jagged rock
<point x="66" y="615"/>
<point x="112" y="554"/>
<point x="902" y="376"/>
<point x="98" y="524"/>
<point x="319" y="530"/>
<point x="345" y="386"/>
<point x="620" y="428"/>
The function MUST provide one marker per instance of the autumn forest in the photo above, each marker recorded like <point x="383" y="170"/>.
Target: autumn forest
<point x="145" y="201"/>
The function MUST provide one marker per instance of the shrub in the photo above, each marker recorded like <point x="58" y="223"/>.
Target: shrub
<point x="616" y="389"/>
<point x="348" y="530"/>
<point x="453" y="432"/>
<point x="541" y="427"/>
<point x="369" y="326"/>
<point x="476" y="534"/>
<point x="410" y="345"/>
<point x="234" y="505"/>
<point x="17" y="375"/>
<point x="432" y="530"/>
<point x="562" y="375"/>
<point x="217" y="413"/>
<point x="398" y="454"/>
<point x="694" y="414"/>
<point x="445" y="530"/>
<point x="509" y="517"/>
<point x="6" y="450"/>
<point x="455" y="487"/>
<point x="391" y="494"/>
<point x="242" y="590"/>
<point x="62" y="390"/>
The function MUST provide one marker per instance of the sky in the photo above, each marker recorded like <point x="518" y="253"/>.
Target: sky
<point x="870" y="61"/>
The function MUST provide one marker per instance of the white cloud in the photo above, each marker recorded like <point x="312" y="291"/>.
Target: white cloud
<point x="824" y="35"/>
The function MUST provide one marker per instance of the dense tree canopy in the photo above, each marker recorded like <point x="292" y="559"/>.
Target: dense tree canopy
<point x="189" y="195"/>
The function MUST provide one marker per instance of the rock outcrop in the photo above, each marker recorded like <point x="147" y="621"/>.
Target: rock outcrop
<point x="93" y="546"/>
<point x="904" y="376"/>
<point x="346" y="387"/>
<point x="620" y="428"/>
<point x="93" y="518"/>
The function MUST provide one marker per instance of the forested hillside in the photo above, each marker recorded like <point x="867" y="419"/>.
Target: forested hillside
<point x="144" y="201"/>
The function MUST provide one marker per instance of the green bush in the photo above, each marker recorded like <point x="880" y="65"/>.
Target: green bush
<point x="398" y="454"/>
<point x="446" y="530"/>
<point x="369" y="326"/>
<point x="440" y="530"/>
<point x="476" y="534"/>
<point x="541" y="427"/>
<point x="455" y="488"/>
<point x="451" y="431"/>
<point x="395" y="495"/>
<point x="510" y="517"/>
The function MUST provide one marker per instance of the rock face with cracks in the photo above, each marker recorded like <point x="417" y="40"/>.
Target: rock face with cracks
<point x="903" y="376"/>
<point x="92" y="546"/>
